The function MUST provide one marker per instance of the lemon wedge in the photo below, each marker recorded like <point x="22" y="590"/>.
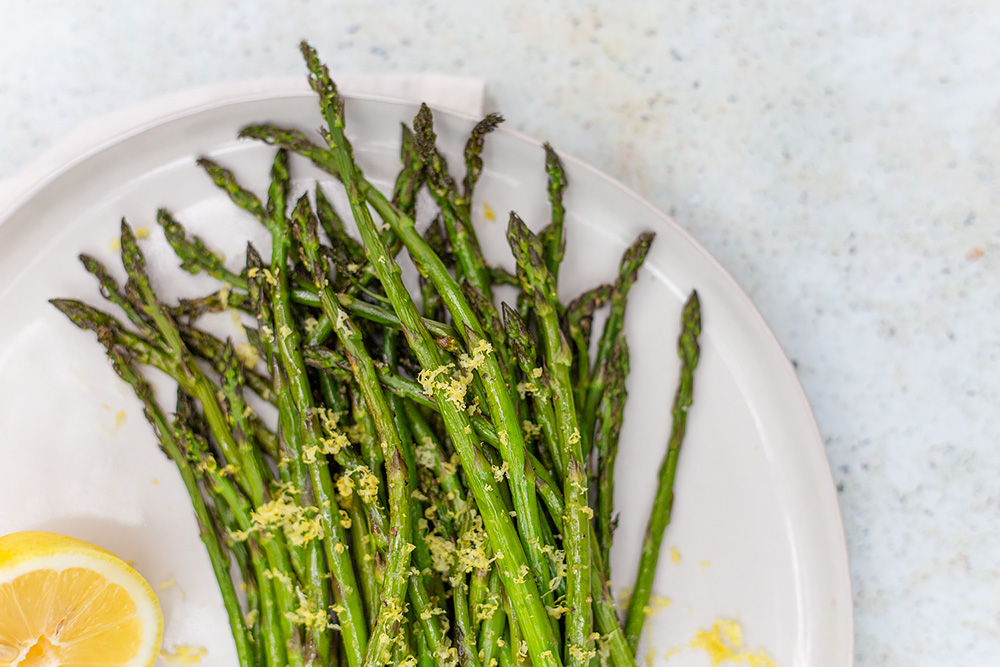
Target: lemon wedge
<point x="67" y="603"/>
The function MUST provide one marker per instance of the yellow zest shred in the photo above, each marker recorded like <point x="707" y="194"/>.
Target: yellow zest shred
<point x="477" y="358"/>
<point x="580" y="655"/>
<point x="624" y="595"/>
<point x="488" y="213"/>
<point x="341" y="323"/>
<point x="426" y="454"/>
<point x="724" y="643"/>
<point x="500" y="471"/>
<point x="650" y="655"/>
<point x="182" y="654"/>
<point x="247" y="354"/>
<point x="307" y="614"/>
<point x="557" y="611"/>
<point x="367" y="484"/>
<point x="224" y="293"/>
<point x="229" y="470"/>
<point x="522" y="651"/>
<point x="525" y="388"/>
<point x="345" y="486"/>
<point x="300" y="524"/>
<point x="656" y="603"/>
<point x="487" y="608"/>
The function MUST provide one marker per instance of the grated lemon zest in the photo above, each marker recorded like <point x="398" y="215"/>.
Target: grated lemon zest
<point x="247" y="354"/>
<point x="307" y="614"/>
<point x="656" y="604"/>
<point x="300" y="524"/>
<point x="500" y="471"/>
<point x="724" y="643"/>
<point x="182" y="654"/>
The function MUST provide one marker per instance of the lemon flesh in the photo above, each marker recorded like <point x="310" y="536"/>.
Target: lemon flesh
<point x="66" y="603"/>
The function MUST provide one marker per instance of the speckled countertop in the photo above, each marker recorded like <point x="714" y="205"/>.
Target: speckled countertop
<point x="839" y="159"/>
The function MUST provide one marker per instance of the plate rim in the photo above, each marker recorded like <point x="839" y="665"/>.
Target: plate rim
<point x="136" y="119"/>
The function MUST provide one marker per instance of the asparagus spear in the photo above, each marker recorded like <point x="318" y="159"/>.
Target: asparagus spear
<point x="688" y="350"/>
<point x="631" y="262"/>
<point x="611" y="413"/>
<point x="540" y="286"/>
<point x="553" y="238"/>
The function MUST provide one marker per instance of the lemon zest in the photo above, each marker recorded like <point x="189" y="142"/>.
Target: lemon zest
<point x="182" y="654"/>
<point x="308" y="614"/>
<point x="724" y="643"/>
<point x="247" y="354"/>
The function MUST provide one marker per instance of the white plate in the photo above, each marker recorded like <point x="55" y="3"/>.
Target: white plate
<point x="756" y="523"/>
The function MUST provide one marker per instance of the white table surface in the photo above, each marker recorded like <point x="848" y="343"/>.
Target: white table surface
<point x="839" y="159"/>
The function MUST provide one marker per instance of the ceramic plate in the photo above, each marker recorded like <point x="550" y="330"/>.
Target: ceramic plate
<point x="756" y="535"/>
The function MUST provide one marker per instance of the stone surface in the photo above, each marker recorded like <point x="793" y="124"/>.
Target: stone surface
<point x="839" y="159"/>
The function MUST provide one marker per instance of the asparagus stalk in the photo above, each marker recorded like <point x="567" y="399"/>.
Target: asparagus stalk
<point x="631" y="262"/>
<point x="611" y="413"/>
<point x="553" y="238"/>
<point x="688" y="350"/>
<point x="540" y="286"/>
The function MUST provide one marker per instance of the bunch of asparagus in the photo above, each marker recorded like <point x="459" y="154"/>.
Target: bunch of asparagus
<point x="438" y="488"/>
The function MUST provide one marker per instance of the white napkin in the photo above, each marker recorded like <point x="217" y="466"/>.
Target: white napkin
<point x="463" y="95"/>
